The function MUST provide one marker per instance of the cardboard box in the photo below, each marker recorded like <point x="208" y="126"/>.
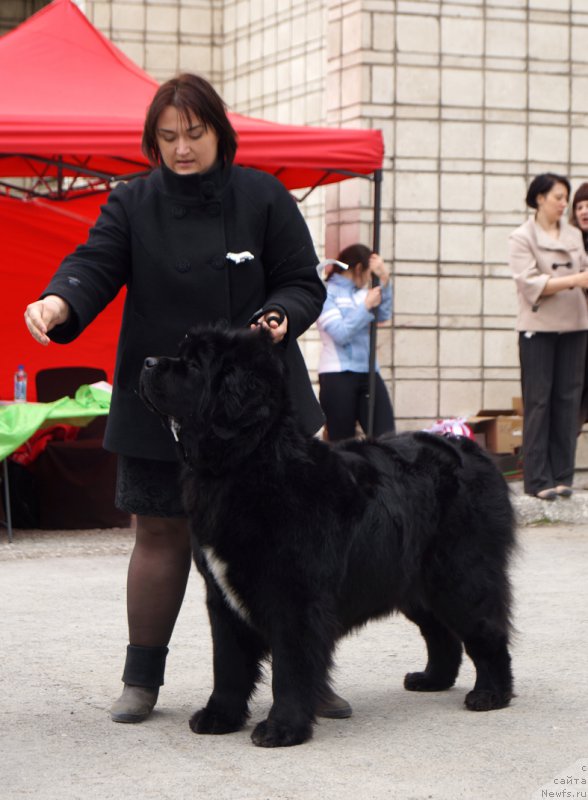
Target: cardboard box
<point x="499" y="431"/>
<point x="517" y="405"/>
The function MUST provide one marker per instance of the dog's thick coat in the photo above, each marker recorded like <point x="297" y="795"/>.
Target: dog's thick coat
<point x="300" y="541"/>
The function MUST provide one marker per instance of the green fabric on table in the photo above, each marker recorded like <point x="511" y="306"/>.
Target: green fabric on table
<point x="18" y="421"/>
<point x="92" y="396"/>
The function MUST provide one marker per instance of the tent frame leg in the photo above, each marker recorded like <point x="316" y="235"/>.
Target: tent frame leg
<point x="374" y="324"/>
<point x="7" y="509"/>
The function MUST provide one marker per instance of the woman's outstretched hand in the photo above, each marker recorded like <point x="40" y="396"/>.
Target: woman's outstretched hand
<point x="43" y="315"/>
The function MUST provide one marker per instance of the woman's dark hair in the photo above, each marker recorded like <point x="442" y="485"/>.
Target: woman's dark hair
<point x="544" y="183"/>
<point x="352" y="255"/>
<point x="190" y="94"/>
<point x="580" y="196"/>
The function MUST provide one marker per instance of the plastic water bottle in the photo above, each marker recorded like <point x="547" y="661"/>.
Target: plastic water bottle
<point x="20" y="385"/>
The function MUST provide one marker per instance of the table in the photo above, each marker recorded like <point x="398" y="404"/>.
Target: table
<point x="19" y="421"/>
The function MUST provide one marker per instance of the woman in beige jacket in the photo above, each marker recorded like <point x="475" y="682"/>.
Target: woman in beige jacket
<point x="549" y="266"/>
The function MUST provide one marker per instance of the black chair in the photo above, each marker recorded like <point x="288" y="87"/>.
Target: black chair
<point x="56" y="382"/>
<point x="76" y="479"/>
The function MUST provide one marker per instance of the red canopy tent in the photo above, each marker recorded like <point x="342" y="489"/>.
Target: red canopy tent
<point x="35" y="235"/>
<point x="72" y="107"/>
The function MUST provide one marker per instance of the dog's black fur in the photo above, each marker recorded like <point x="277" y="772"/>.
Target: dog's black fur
<point x="300" y="541"/>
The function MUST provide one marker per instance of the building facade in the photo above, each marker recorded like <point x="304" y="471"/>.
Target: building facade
<point x="473" y="97"/>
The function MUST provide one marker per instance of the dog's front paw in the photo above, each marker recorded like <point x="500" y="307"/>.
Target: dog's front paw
<point x="270" y="733"/>
<point x="425" y="682"/>
<point x="213" y="721"/>
<point x="487" y="700"/>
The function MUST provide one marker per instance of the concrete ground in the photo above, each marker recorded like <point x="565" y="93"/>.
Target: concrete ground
<point x="63" y="634"/>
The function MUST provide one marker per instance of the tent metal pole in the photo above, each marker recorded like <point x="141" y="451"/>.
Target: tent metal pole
<point x="374" y="324"/>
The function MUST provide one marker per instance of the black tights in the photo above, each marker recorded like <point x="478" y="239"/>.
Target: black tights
<point x="157" y="579"/>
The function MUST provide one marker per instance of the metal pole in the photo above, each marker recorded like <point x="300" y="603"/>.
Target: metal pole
<point x="7" y="508"/>
<point x="374" y="324"/>
<point x="60" y="192"/>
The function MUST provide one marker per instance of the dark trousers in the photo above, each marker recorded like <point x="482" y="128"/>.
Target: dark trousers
<point x="584" y="402"/>
<point x="344" y="399"/>
<point x="552" y="376"/>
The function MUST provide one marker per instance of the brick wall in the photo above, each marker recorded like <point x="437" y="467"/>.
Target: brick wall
<point x="13" y="12"/>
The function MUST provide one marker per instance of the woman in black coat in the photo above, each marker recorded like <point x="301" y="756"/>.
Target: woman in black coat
<point x="197" y="241"/>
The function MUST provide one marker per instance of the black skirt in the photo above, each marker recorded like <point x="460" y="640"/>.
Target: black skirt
<point x="149" y="488"/>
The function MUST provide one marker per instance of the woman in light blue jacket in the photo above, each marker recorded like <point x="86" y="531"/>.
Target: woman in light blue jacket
<point x="344" y="326"/>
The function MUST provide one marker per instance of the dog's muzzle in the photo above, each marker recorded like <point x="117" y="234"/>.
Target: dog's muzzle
<point x="150" y="363"/>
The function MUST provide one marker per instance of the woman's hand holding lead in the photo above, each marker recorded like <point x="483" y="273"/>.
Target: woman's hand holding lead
<point x="271" y="322"/>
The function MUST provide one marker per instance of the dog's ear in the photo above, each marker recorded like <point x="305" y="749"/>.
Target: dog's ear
<point x="244" y="398"/>
<point x="250" y="384"/>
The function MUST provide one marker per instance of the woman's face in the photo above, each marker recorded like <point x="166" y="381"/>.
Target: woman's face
<point x="553" y="203"/>
<point x="186" y="145"/>
<point x="581" y="214"/>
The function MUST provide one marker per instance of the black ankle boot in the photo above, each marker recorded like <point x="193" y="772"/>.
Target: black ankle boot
<point x="145" y="666"/>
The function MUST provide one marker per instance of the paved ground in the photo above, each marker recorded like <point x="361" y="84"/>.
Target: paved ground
<point x="63" y="634"/>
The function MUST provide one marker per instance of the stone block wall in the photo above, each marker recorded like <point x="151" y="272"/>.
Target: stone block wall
<point x="163" y="36"/>
<point x="487" y="94"/>
<point x="13" y="12"/>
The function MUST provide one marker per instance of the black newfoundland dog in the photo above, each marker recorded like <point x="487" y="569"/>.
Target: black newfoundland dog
<point x="300" y="542"/>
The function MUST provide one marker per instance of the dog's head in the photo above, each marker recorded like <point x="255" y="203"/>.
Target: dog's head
<point x="219" y="396"/>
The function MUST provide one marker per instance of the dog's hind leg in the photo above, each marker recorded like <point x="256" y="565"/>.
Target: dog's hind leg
<point x="237" y="653"/>
<point x="478" y="615"/>
<point x="443" y="654"/>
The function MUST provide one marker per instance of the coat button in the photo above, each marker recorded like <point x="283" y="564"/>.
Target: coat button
<point x="217" y="262"/>
<point x="179" y="211"/>
<point x="213" y="209"/>
<point x="183" y="266"/>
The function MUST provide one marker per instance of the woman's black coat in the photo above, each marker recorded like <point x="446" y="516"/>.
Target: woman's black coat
<point x="167" y="238"/>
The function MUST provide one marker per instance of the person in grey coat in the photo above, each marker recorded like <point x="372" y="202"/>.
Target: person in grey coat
<point x="549" y="267"/>
<point x="198" y="241"/>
